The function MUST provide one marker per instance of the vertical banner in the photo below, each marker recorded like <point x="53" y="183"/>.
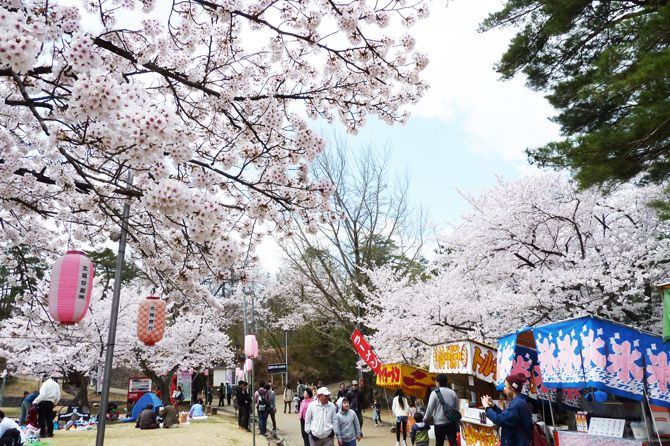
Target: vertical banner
<point x="365" y="351"/>
<point x="665" y="289"/>
<point x="184" y="381"/>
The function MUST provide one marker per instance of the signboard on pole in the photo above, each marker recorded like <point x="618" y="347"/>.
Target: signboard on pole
<point x="276" y="368"/>
<point x="184" y="381"/>
<point x="138" y="386"/>
<point x="365" y="351"/>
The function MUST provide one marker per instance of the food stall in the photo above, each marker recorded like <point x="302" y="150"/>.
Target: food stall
<point x="412" y="380"/>
<point x="471" y="369"/>
<point x="603" y="383"/>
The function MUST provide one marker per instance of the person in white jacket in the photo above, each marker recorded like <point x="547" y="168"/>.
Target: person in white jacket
<point x="400" y="409"/>
<point x="45" y="401"/>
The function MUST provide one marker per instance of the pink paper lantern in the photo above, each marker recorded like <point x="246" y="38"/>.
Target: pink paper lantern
<point x="250" y="346"/>
<point x="248" y="365"/>
<point x="70" y="287"/>
<point x="151" y="320"/>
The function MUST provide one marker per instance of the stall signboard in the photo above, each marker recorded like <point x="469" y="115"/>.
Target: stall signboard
<point x="413" y="380"/>
<point x="138" y="386"/>
<point x="365" y="351"/>
<point x="589" y="352"/>
<point x="465" y="357"/>
<point x="475" y="434"/>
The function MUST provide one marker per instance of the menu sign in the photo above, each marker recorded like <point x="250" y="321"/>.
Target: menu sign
<point x="607" y="427"/>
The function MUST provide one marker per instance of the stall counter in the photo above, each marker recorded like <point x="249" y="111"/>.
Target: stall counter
<point x="573" y="438"/>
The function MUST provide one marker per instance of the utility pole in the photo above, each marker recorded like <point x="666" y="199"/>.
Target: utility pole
<point x="111" y="337"/>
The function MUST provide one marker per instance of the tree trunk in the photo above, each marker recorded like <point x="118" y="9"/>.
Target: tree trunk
<point x="77" y="386"/>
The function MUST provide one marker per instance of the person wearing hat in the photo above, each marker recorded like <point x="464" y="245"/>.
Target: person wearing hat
<point x="516" y="421"/>
<point x="355" y="397"/>
<point x="321" y="419"/>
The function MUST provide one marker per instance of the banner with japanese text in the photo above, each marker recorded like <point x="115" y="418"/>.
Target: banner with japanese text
<point x="412" y="380"/>
<point x="465" y="357"/>
<point x="365" y="351"/>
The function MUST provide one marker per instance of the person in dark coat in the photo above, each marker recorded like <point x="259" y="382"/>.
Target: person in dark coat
<point x="170" y="416"/>
<point x="516" y="421"/>
<point x="244" y="401"/>
<point x="222" y="394"/>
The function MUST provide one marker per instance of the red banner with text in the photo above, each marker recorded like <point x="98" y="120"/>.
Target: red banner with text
<point x="365" y="351"/>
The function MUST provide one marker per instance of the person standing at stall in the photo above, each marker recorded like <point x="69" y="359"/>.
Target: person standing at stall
<point x="516" y="421"/>
<point x="440" y="402"/>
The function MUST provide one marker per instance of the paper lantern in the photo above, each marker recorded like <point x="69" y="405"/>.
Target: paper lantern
<point x="70" y="287"/>
<point x="248" y="365"/>
<point x="151" y="320"/>
<point x="250" y="346"/>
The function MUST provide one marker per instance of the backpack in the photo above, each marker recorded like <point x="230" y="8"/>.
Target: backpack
<point x="262" y="403"/>
<point x="537" y="436"/>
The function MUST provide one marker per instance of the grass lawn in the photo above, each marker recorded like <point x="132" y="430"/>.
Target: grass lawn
<point x="217" y="430"/>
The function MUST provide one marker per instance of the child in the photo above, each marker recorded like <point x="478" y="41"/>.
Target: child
<point x="419" y="432"/>
<point x="412" y="411"/>
<point x="376" y="412"/>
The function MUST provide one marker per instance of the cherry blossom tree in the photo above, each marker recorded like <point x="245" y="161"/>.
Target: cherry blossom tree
<point x="34" y="344"/>
<point x="206" y="103"/>
<point x="533" y="250"/>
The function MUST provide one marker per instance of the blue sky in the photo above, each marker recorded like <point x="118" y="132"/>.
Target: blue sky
<point x="469" y="128"/>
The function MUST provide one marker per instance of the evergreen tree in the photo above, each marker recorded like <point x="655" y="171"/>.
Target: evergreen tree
<point x="606" y="68"/>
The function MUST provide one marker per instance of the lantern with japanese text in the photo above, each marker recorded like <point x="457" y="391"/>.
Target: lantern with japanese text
<point x="250" y="346"/>
<point x="70" y="287"/>
<point x="151" y="320"/>
<point x="248" y="365"/>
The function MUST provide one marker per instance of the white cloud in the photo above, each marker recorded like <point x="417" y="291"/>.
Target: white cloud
<point x="500" y="118"/>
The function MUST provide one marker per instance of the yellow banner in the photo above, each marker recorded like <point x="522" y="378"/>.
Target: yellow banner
<point x="412" y="380"/>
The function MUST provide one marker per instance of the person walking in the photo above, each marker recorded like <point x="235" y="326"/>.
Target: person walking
<point x="321" y="419"/>
<point x="302" y="411"/>
<point x="440" y="402"/>
<point x="376" y="412"/>
<point x="516" y="421"/>
<point x="229" y="392"/>
<point x="48" y="397"/>
<point x="400" y="408"/>
<point x="288" y="398"/>
<point x="355" y="397"/>
<point x="419" y="432"/>
<point x="262" y="403"/>
<point x="272" y="399"/>
<point x="348" y="429"/>
<point x="342" y="392"/>
<point x="209" y="394"/>
<point x="222" y="394"/>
